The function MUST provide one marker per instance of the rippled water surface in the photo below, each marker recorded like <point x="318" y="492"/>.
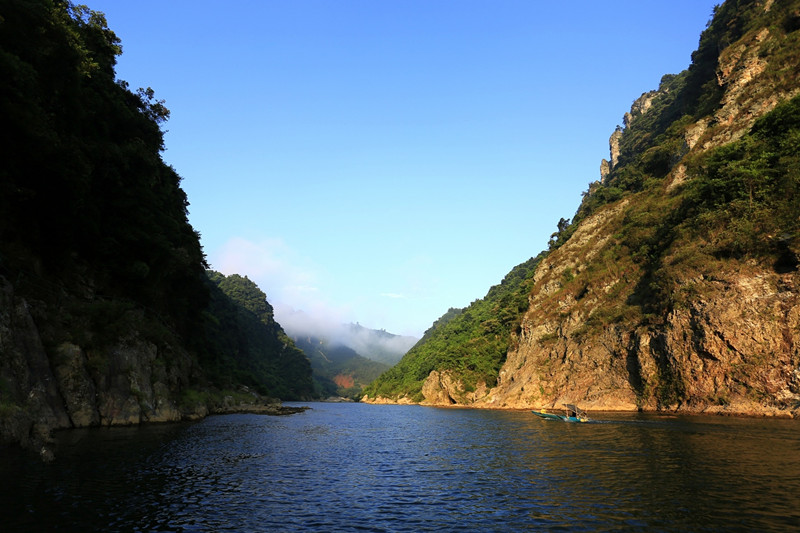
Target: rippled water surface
<point x="356" y="467"/>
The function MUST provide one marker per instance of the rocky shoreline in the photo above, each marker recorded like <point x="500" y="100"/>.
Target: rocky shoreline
<point x="271" y="410"/>
<point x="743" y="411"/>
<point x="40" y="435"/>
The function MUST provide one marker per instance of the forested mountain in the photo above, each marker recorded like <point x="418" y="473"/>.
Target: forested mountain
<point x="675" y="285"/>
<point x="375" y="344"/>
<point x="344" y="357"/>
<point x="338" y="370"/>
<point x="107" y="315"/>
<point x="470" y="343"/>
<point x="248" y="346"/>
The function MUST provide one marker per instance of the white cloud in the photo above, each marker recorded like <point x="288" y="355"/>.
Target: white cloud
<point x="392" y="295"/>
<point x="301" y="292"/>
<point x="276" y="268"/>
<point x="290" y="281"/>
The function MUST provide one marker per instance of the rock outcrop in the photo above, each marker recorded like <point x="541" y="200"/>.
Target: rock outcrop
<point x="56" y="387"/>
<point x="733" y="349"/>
<point x="107" y="311"/>
<point x="131" y="380"/>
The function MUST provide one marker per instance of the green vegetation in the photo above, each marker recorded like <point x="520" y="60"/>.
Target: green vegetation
<point x="83" y="182"/>
<point x="739" y="200"/>
<point x="471" y="343"/>
<point x="745" y="196"/>
<point x="244" y="344"/>
<point x="93" y="223"/>
<point x="338" y="370"/>
<point x="653" y="142"/>
<point x="190" y="398"/>
<point x="724" y="208"/>
<point x="94" y="229"/>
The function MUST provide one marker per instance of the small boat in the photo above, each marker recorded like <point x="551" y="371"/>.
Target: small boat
<point x="571" y="414"/>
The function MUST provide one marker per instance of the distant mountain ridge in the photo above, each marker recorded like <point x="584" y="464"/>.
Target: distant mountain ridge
<point x="344" y="357"/>
<point x="375" y="344"/>
<point x="338" y="370"/>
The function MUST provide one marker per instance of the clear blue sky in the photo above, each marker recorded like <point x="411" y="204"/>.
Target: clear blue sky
<point x="381" y="161"/>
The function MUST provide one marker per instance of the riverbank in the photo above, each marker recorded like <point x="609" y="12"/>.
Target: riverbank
<point x="24" y="429"/>
<point x="749" y="410"/>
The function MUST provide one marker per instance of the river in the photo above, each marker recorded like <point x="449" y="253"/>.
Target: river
<point x="358" y="467"/>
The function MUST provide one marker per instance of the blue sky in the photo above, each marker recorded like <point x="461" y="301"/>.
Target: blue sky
<point x="380" y="161"/>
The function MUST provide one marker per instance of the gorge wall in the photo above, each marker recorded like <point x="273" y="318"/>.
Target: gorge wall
<point x="46" y="387"/>
<point x="107" y="312"/>
<point x="676" y="285"/>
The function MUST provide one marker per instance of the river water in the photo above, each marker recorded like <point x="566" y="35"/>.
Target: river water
<point x="358" y="467"/>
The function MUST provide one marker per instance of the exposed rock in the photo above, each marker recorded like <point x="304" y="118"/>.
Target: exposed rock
<point x="127" y="382"/>
<point x="640" y="106"/>
<point x="29" y="395"/>
<point x="716" y="354"/>
<point x="437" y="389"/>
<point x="732" y="347"/>
<point x="737" y="349"/>
<point x="80" y="395"/>
<point x="605" y="168"/>
<point x="749" y="93"/>
<point x="272" y="409"/>
<point x="727" y="337"/>
<point x="694" y="132"/>
<point x="338" y="399"/>
<point x="613" y="146"/>
<point x="677" y="177"/>
<point x="382" y="400"/>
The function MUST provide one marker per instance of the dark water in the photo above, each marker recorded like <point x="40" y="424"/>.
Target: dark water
<point x="355" y="467"/>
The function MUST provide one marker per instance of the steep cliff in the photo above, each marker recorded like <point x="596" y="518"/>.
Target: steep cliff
<point x="106" y="313"/>
<point x="52" y="380"/>
<point x="676" y="284"/>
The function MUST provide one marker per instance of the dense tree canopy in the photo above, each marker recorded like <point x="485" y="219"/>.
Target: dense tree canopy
<point x="94" y="222"/>
<point x="246" y="345"/>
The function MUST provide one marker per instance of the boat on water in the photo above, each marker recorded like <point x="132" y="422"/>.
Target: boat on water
<point x="571" y="414"/>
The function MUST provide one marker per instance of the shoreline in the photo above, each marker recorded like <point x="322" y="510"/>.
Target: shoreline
<point x="766" y="412"/>
<point x="41" y="437"/>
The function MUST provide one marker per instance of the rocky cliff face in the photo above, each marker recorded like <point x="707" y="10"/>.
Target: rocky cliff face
<point x="46" y="387"/>
<point x="728" y="341"/>
<point x="106" y="310"/>
<point x="47" y="383"/>
<point x="733" y="348"/>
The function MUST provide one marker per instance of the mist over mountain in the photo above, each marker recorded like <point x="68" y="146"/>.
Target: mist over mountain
<point x="374" y="344"/>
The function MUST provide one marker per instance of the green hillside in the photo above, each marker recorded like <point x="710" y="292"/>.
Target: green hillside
<point x="338" y="370"/>
<point x="247" y="346"/>
<point x="701" y="193"/>
<point x="471" y="342"/>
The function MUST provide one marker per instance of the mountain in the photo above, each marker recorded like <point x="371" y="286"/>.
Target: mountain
<point x="470" y="343"/>
<point x="375" y="344"/>
<point x="338" y="370"/>
<point x="107" y="315"/>
<point x="675" y="285"/>
<point x="248" y="346"/>
<point x="344" y="357"/>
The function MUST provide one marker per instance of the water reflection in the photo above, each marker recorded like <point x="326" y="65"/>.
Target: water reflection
<point x="406" y="468"/>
